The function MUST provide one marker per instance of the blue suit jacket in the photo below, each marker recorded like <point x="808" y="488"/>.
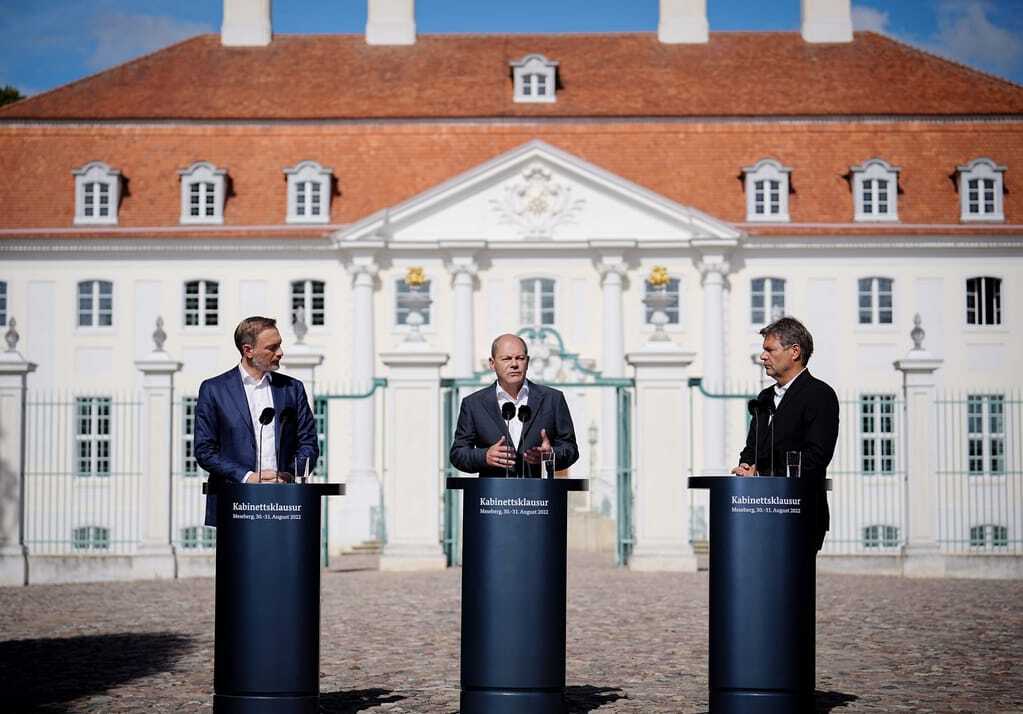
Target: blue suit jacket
<point x="480" y="426"/>
<point x="225" y="442"/>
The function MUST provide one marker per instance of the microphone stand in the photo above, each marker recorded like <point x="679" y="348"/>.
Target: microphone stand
<point x="507" y="413"/>
<point x="754" y="409"/>
<point x="286" y="414"/>
<point x="525" y="414"/>
<point x="265" y="417"/>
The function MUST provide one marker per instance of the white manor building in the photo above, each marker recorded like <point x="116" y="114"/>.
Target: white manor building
<point x="851" y="181"/>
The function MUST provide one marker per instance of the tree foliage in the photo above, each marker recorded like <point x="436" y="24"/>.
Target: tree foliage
<point x="9" y="94"/>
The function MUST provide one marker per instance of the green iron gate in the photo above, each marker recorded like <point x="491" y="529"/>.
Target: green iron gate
<point x="552" y="351"/>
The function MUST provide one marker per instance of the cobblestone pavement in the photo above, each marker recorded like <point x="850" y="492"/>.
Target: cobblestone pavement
<point x="637" y="642"/>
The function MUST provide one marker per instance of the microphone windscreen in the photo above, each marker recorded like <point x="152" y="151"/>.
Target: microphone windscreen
<point x="525" y="413"/>
<point x="753" y="406"/>
<point x="287" y="414"/>
<point x="507" y="411"/>
<point x="767" y="403"/>
<point x="266" y="416"/>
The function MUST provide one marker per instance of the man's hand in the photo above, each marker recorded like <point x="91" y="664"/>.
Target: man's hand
<point x="265" y="476"/>
<point x="533" y="455"/>
<point x="745" y="470"/>
<point x="500" y="455"/>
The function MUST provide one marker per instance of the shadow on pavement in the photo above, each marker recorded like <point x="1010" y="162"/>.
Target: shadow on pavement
<point x="349" y="701"/>
<point x="584" y="698"/>
<point x="62" y="669"/>
<point x="826" y="701"/>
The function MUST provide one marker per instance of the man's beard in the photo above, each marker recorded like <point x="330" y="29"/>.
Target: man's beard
<point x="267" y="366"/>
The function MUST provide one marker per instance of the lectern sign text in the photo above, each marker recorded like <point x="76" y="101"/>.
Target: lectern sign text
<point x="766" y="504"/>
<point x="514" y="506"/>
<point x="272" y="511"/>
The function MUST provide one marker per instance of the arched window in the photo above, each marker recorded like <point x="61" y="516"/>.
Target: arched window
<point x="97" y="193"/>
<point x="308" y="193"/>
<point x="767" y="191"/>
<point x="980" y="191"/>
<point x="876" y="191"/>
<point x="202" y="193"/>
<point x="535" y="79"/>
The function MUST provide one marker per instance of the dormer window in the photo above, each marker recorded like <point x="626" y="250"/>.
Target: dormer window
<point x="97" y="193"/>
<point x="309" y="193"/>
<point x="876" y="191"/>
<point x="202" y="193"/>
<point x="980" y="191"/>
<point x="767" y="191"/>
<point x="535" y="79"/>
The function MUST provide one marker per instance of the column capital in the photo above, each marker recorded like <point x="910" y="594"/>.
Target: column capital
<point x="461" y="265"/>
<point x="611" y="269"/>
<point x="713" y="267"/>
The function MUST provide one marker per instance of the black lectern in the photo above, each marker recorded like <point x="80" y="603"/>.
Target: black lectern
<point x="762" y="593"/>
<point x="513" y="594"/>
<point x="267" y="648"/>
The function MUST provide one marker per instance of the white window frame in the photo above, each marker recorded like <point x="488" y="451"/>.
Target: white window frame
<point x="873" y="294"/>
<point x="198" y="537"/>
<point x="870" y="172"/>
<point x="767" y="170"/>
<point x="679" y="293"/>
<point x="90" y="538"/>
<point x="95" y="429"/>
<point x="95" y="311"/>
<point x="534" y="73"/>
<point x="400" y="287"/>
<point x="97" y="174"/>
<point x="982" y="169"/>
<point x="3" y="303"/>
<point x="304" y="179"/>
<point x="190" y="467"/>
<point x="537" y="307"/>
<point x="979" y="301"/>
<point x="984" y="442"/>
<point x="989" y="537"/>
<point x="888" y="537"/>
<point x="202" y="310"/>
<point x="877" y="425"/>
<point x="770" y="283"/>
<point x="301" y="294"/>
<point x="203" y="172"/>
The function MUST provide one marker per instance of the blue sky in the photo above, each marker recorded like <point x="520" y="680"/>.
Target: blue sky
<point x="52" y="42"/>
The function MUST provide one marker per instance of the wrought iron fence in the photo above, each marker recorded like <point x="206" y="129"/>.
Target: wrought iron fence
<point x="83" y="465"/>
<point x="979" y="477"/>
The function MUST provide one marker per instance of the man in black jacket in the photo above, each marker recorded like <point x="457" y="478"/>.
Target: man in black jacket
<point x="488" y="444"/>
<point x="798" y="413"/>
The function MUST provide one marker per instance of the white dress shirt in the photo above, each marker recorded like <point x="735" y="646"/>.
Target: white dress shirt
<point x="259" y="397"/>
<point x="779" y="391"/>
<point x="515" y="426"/>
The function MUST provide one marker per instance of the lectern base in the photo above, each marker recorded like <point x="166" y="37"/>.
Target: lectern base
<point x="759" y="702"/>
<point x="224" y="704"/>
<point x="492" y="701"/>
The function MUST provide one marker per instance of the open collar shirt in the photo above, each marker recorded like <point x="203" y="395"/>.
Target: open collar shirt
<point x="515" y="425"/>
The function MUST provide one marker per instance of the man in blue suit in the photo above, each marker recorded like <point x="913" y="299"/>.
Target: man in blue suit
<point x="231" y="442"/>
<point x="487" y="444"/>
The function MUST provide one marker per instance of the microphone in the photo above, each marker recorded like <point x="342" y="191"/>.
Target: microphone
<point x="767" y="405"/>
<point x="507" y="413"/>
<point x="525" y="413"/>
<point x="753" y="406"/>
<point x="265" y="417"/>
<point x="287" y="414"/>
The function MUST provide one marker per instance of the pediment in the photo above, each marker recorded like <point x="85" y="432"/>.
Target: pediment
<point x="537" y="192"/>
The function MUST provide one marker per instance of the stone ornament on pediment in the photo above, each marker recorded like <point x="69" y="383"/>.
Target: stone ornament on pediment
<point x="537" y="204"/>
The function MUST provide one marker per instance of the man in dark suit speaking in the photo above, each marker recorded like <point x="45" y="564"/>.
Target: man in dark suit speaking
<point x="798" y="413"/>
<point x="489" y="444"/>
<point x="252" y="423"/>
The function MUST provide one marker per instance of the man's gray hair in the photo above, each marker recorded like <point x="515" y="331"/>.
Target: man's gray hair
<point x="249" y="329"/>
<point x="790" y="331"/>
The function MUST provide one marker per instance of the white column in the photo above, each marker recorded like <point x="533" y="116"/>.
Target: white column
<point x="922" y="556"/>
<point x="14" y="370"/>
<point x="362" y="492"/>
<point x="463" y="273"/>
<point x="612" y="271"/>
<point x="713" y="269"/>
<point x="413" y="473"/>
<point x="155" y="557"/>
<point x="661" y="440"/>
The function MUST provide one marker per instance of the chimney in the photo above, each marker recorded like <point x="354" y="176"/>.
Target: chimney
<point x="246" y="23"/>
<point x="683" y="22"/>
<point x="826" y="21"/>
<point x="391" y="22"/>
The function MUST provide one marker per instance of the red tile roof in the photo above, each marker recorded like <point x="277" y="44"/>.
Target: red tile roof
<point x="451" y="76"/>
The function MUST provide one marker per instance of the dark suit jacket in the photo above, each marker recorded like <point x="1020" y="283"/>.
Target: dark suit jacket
<point x="807" y="421"/>
<point x="480" y="426"/>
<point x="225" y="442"/>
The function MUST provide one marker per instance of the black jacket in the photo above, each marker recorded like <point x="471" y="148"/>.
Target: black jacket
<point x="806" y="420"/>
<point x="480" y="426"/>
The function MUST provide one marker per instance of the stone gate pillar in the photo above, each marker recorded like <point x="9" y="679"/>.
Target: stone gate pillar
<point x="14" y="371"/>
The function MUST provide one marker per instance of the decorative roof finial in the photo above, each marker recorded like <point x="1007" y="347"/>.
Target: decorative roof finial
<point x="12" y="335"/>
<point x="917" y="334"/>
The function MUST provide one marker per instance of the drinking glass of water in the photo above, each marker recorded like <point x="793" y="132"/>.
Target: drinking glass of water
<point x="793" y="463"/>
<point x="547" y="464"/>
